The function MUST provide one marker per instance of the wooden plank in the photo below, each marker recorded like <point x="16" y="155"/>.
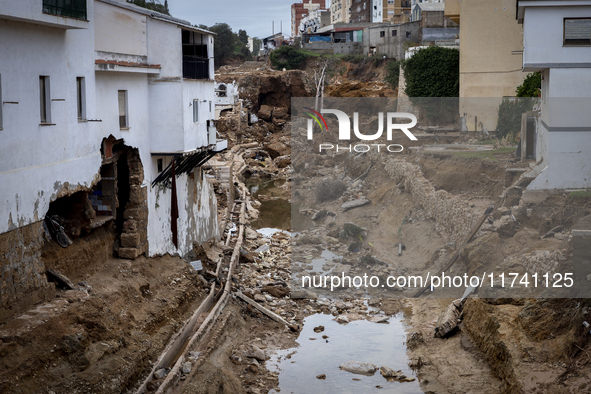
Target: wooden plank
<point x="267" y="312"/>
<point x="456" y="255"/>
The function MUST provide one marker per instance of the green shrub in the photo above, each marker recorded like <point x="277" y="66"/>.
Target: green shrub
<point x="510" y="112"/>
<point x="287" y="57"/>
<point x="433" y="72"/>
<point x="393" y="73"/>
<point x="531" y="87"/>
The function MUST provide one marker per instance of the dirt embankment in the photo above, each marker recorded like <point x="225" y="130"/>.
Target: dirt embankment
<point x="101" y="337"/>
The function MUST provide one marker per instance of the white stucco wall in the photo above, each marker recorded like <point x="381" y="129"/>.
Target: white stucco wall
<point x="31" y="11"/>
<point x="543" y="36"/>
<point x="563" y="138"/>
<point x="38" y="163"/>
<point x="121" y="30"/>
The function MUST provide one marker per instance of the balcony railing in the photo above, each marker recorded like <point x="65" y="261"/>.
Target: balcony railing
<point x="68" y="8"/>
<point x="195" y="67"/>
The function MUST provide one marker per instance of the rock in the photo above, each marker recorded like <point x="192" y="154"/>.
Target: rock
<point x="407" y="379"/>
<point x="303" y="294"/>
<point x="277" y="291"/>
<point x="60" y="279"/>
<point x="359" y="367"/>
<point x="388" y="372"/>
<point x="277" y="149"/>
<point x="355" y="204"/>
<point x="253" y="368"/>
<point x="259" y="298"/>
<point x="268" y="298"/>
<point x="280" y="113"/>
<point x="380" y="319"/>
<point x="319" y="329"/>
<point x="282" y="161"/>
<point x="265" y="112"/>
<point x="322" y="376"/>
<point x="75" y="295"/>
<point x="186" y="368"/>
<point x="251" y="234"/>
<point x="159" y="374"/>
<point x="262" y="249"/>
<point x="308" y="240"/>
<point x="194" y="355"/>
<point x="256" y="353"/>
<point x="342" y="319"/>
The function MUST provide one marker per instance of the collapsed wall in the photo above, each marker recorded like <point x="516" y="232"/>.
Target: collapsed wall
<point x="453" y="217"/>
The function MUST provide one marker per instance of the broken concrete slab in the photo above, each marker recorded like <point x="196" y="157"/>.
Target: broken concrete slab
<point x="60" y="279"/>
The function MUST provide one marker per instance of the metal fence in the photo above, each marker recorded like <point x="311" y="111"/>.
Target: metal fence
<point x="69" y="8"/>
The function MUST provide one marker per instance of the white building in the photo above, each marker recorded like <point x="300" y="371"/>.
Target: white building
<point x="96" y="100"/>
<point x="557" y="42"/>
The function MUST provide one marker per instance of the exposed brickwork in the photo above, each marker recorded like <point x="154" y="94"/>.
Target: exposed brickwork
<point x="23" y="280"/>
<point x="134" y="239"/>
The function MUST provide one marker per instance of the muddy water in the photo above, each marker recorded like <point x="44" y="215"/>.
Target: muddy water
<point x="275" y="210"/>
<point x="376" y="343"/>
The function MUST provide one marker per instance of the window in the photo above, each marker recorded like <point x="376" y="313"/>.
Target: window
<point x="577" y="31"/>
<point x="394" y="33"/>
<point x="160" y="165"/>
<point x="407" y="34"/>
<point x="123" y="110"/>
<point x="390" y="1"/>
<point x="382" y="34"/>
<point x="68" y="8"/>
<point x="44" y="100"/>
<point x="195" y="111"/>
<point x="81" y="97"/>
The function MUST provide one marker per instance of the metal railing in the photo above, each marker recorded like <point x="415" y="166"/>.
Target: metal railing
<point x="68" y="8"/>
<point x="195" y="67"/>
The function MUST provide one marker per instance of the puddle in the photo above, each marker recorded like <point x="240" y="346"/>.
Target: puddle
<point x="268" y="232"/>
<point x="376" y="343"/>
<point x="275" y="212"/>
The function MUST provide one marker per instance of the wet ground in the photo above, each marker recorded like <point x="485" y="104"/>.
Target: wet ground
<point x="382" y="344"/>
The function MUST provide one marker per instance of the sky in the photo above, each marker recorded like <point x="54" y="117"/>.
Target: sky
<point x="254" y="16"/>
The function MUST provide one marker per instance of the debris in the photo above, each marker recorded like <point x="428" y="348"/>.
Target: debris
<point x="256" y="353"/>
<point x="355" y="204"/>
<point x="197" y="266"/>
<point x="262" y="249"/>
<point x="455" y="256"/>
<point x="552" y="232"/>
<point x="319" y="329"/>
<point x="266" y="311"/>
<point x="448" y="319"/>
<point x="303" y="294"/>
<point x="359" y="367"/>
<point x="388" y="372"/>
<point x="277" y="291"/>
<point x="186" y="368"/>
<point x="259" y="298"/>
<point x="60" y="279"/>
<point x="322" y="376"/>
<point x="159" y="374"/>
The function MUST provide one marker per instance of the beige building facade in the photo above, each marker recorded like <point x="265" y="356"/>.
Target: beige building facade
<point x="340" y="11"/>
<point x="491" y="55"/>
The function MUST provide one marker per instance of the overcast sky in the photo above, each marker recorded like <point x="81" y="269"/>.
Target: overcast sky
<point x="254" y="16"/>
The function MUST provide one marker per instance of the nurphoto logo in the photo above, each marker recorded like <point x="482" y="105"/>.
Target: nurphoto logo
<point x="392" y="124"/>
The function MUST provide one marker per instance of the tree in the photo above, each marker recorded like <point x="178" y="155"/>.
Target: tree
<point x="153" y="5"/>
<point x="393" y="73"/>
<point x="287" y="57"/>
<point x="256" y="46"/>
<point x="224" y="43"/>
<point x="433" y="72"/>
<point x="243" y="36"/>
<point x="531" y="87"/>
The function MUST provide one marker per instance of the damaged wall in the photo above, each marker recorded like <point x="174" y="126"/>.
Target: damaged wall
<point x="41" y="161"/>
<point x="197" y="220"/>
<point x="453" y="217"/>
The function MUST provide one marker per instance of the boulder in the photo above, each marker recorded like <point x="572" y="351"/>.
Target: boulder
<point x="282" y="161"/>
<point x="277" y="149"/>
<point x="280" y="113"/>
<point x="265" y="112"/>
<point x="359" y="367"/>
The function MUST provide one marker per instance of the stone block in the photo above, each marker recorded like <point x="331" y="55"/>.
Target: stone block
<point x="130" y="240"/>
<point x="128" y="253"/>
